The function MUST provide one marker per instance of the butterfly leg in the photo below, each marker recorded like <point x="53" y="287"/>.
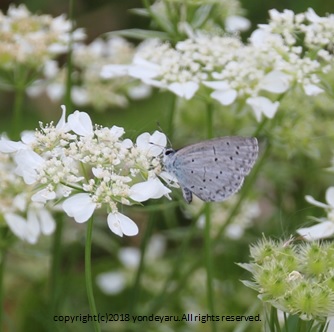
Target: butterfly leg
<point x="187" y="194"/>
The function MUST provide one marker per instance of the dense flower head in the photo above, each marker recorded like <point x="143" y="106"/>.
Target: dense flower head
<point x="91" y="167"/>
<point x="295" y="278"/>
<point x="33" y="39"/>
<point x="88" y="86"/>
<point x="26" y="219"/>
<point x="273" y="61"/>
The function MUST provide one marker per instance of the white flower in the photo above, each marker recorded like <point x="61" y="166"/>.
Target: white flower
<point x="129" y="257"/>
<point x="151" y="144"/>
<point x="111" y="282"/>
<point x="43" y="196"/>
<point x="325" y="228"/>
<point x="312" y="89"/>
<point x="7" y="146"/>
<point x="224" y="94"/>
<point x="185" y="89"/>
<point x="80" y="123"/>
<point x="121" y="224"/>
<point x="29" y="162"/>
<point x="91" y="166"/>
<point x="235" y="23"/>
<point x="276" y="82"/>
<point x="263" y="105"/>
<point x="38" y="221"/>
<point x="80" y="207"/>
<point x="152" y="188"/>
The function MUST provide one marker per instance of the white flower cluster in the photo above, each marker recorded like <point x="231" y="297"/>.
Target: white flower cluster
<point x="26" y="219"/>
<point x="33" y="39"/>
<point x="91" y="167"/>
<point x="273" y="61"/>
<point x="88" y="86"/>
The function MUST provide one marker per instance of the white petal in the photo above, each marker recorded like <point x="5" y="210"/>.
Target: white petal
<point x="43" y="196"/>
<point x="121" y="224"/>
<point x="311" y="200"/>
<point x="17" y="224"/>
<point x="130" y="257"/>
<point x="47" y="222"/>
<point x="263" y="105"/>
<point x="330" y="196"/>
<point x="127" y="143"/>
<point x="143" y="69"/>
<point x="7" y="146"/>
<point x="55" y="91"/>
<point x="27" y="163"/>
<point x="33" y="229"/>
<point x="139" y="91"/>
<point x="50" y="69"/>
<point x="157" y="143"/>
<point x="158" y="138"/>
<point x="237" y="23"/>
<point x="117" y="132"/>
<point x="79" y="206"/>
<point x="312" y="90"/>
<point x="79" y="95"/>
<point x="20" y="202"/>
<point x="152" y="188"/>
<point x="150" y="143"/>
<point x="320" y="231"/>
<point x="143" y="140"/>
<point x="28" y="137"/>
<point x="80" y="123"/>
<point x="186" y="90"/>
<point x="112" y="71"/>
<point x="226" y="97"/>
<point x="312" y="16"/>
<point x="111" y="282"/>
<point x="217" y="85"/>
<point x="276" y="82"/>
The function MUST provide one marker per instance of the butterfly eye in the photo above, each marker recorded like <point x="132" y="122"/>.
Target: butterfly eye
<point x="169" y="151"/>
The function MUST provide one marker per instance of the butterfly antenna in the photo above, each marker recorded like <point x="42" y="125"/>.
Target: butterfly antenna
<point x="160" y="129"/>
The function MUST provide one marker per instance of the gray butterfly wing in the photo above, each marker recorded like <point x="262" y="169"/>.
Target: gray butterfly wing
<point x="215" y="169"/>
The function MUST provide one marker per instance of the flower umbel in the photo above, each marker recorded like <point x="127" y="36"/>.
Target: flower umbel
<point x="26" y="219"/>
<point x="90" y="167"/>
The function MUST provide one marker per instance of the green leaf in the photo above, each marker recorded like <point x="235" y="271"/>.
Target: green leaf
<point x="201" y="15"/>
<point x="140" y="12"/>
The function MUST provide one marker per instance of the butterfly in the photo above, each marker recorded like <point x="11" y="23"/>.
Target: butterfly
<point x="214" y="169"/>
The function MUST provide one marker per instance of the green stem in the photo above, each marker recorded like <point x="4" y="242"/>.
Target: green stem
<point x="88" y="274"/>
<point x="209" y="120"/>
<point x="209" y="261"/>
<point x="171" y="115"/>
<point x="17" y="118"/>
<point x="2" y="272"/>
<point x="69" y="65"/>
<point x="55" y="267"/>
<point x="136" y="285"/>
<point x="207" y="232"/>
<point x="164" y="296"/>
